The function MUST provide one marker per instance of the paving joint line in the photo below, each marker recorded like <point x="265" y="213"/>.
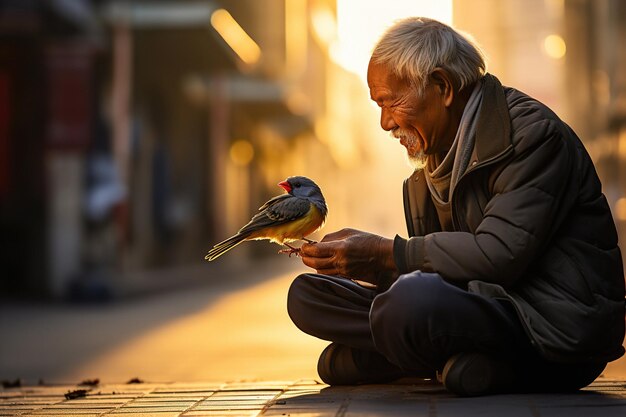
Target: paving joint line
<point x="343" y="408"/>
<point x="432" y="406"/>
<point x="269" y="403"/>
<point x="197" y="403"/>
<point x="126" y="403"/>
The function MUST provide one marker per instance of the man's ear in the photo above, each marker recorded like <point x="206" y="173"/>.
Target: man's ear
<point x="444" y="84"/>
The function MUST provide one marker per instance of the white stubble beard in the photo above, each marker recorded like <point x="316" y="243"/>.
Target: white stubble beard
<point x="417" y="160"/>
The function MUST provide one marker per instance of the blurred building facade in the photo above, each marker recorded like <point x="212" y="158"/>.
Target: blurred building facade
<point x="135" y="134"/>
<point x="596" y="92"/>
<point x="48" y="74"/>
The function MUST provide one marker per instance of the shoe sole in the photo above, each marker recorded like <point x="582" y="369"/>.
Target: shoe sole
<point x="324" y="365"/>
<point x="471" y="375"/>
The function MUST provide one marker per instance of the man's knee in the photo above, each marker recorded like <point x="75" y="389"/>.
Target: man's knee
<point x="406" y="311"/>
<point x="296" y="300"/>
<point x="413" y="296"/>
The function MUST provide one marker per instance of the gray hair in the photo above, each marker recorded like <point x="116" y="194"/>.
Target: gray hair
<point x="413" y="47"/>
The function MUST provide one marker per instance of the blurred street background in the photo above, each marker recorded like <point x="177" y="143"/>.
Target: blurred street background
<point x="136" y="134"/>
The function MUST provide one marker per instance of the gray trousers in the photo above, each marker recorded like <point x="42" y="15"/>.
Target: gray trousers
<point x="420" y="322"/>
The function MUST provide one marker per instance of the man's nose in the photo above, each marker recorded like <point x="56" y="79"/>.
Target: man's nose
<point x="386" y="120"/>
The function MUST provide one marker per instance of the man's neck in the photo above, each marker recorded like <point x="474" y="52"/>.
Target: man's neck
<point x="457" y="108"/>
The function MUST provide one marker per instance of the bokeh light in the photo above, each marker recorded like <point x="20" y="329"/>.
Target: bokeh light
<point x="554" y="46"/>
<point x="241" y="152"/>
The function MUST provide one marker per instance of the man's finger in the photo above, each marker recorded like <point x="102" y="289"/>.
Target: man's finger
<point x="318" y="250"/>
<point x="338" y="235"/>
<point x="317" y="263"/>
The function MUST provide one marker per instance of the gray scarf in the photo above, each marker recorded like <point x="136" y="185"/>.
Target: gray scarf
<point x="443" y="177"/>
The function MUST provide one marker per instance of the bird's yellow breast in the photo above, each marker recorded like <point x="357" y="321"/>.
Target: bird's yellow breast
<point x="299" y="228"/>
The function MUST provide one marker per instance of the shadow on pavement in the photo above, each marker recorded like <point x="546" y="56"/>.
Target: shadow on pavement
<point x="605" y="398"/>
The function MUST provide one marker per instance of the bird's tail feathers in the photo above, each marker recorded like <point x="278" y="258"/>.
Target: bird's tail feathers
<point x="224" y="246"/>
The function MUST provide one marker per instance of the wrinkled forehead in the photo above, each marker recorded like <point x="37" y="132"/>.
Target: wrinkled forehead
<point x="382" y="80"/>
<point x="377" y="73"/>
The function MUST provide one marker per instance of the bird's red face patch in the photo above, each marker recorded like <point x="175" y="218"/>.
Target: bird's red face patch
<point x="285" y="185"/>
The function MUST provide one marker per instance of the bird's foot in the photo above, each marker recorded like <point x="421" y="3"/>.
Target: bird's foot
<point x="295" y="251"/>
<point x="290" y="251"/>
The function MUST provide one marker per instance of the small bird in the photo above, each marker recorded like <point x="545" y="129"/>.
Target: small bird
<point x="283" y="219"/>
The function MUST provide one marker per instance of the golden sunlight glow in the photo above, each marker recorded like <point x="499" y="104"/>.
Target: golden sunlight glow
<point x="234" y="35"/>
<point x="620" y="209"/>
<point x="554" y="46"/>
<point x="298" y="102"/>
<point x="295" y="37"/>
<point x="324" y="24"/>
<point x="241" y="152"/>
<point x="555" y="8"/>
<point x="621" y="144"/>
<point x="361" y="22"/>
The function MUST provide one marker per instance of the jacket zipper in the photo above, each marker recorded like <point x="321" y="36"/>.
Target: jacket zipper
<point x="490" y="161"/>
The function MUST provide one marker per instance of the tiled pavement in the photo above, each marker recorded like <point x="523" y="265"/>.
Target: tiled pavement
<point x="604" y="398"/>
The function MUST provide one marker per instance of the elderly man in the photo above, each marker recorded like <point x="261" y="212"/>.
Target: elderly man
<point x="511" y="279"/>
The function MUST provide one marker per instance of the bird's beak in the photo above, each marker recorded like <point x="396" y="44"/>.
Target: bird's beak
<point x="285" y="185"/>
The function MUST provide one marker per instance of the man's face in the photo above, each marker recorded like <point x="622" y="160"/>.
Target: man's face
<point x="419" y="121"/>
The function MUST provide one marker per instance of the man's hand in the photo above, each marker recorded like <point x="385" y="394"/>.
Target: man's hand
<point x="352" y="254"/>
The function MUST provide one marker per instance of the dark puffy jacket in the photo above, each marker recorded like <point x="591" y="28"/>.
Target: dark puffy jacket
<point x="530" y="224"/>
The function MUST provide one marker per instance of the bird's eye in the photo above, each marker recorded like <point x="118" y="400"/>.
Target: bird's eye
<point x="297" y="185"/>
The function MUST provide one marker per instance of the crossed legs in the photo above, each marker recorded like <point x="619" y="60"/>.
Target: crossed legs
<point x="421" y="322"/>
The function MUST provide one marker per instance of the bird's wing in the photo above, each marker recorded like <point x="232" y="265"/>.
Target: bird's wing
<point x="280" y="209"/>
